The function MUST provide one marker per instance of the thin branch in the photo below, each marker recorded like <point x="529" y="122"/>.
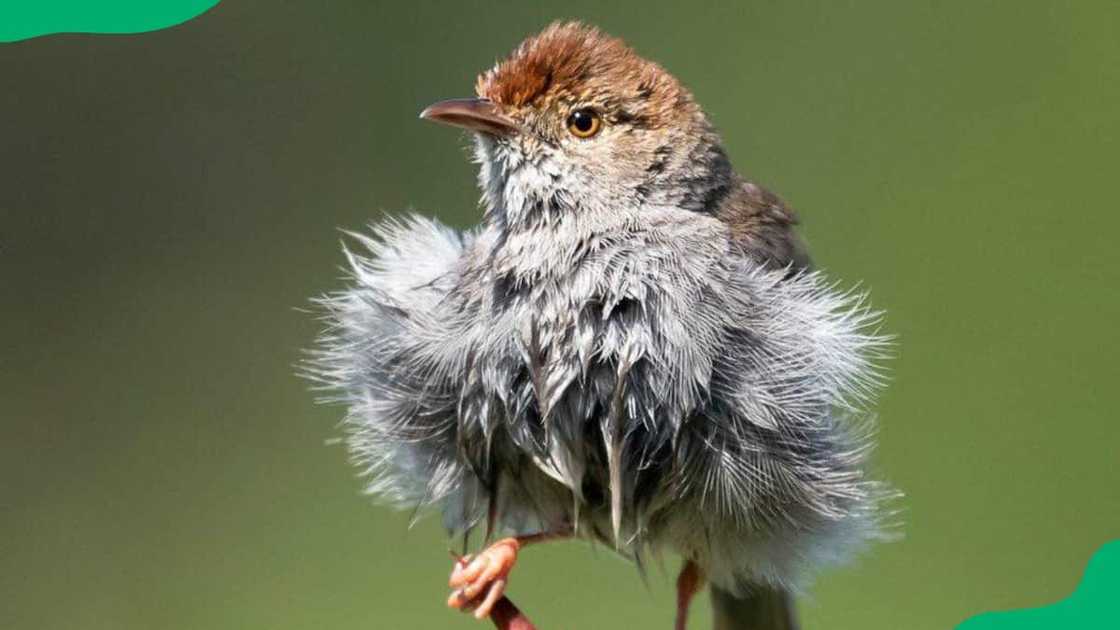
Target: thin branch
<point x="506" y="616"/>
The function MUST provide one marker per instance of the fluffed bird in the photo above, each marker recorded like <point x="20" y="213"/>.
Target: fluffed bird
<point x="631" y="348"/>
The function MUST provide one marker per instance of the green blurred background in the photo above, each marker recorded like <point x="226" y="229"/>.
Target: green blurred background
<point x="170" y="200"/>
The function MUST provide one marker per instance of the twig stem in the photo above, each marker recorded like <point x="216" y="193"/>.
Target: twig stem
<point x="506" y="616"/>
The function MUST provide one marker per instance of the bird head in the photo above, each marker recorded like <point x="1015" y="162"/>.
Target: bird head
<point x="575" y="122"/>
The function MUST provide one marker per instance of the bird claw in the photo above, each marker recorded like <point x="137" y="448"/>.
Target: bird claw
<point x="479" y="581"/>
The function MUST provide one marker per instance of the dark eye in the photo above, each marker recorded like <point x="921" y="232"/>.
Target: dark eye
<point x="584" y="123"/>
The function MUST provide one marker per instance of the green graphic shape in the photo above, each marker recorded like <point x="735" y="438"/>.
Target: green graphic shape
<point x="23" y="19"/>
<point x="1095" y="604"/>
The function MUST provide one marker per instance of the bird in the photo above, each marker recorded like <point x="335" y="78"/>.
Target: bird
<point x="632" y="348"/>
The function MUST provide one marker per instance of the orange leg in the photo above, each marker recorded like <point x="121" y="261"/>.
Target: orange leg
<point x="689" y="583"/>
<point x="478" y="582"/>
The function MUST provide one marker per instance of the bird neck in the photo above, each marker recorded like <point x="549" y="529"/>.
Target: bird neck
<point x="685" y="169"/>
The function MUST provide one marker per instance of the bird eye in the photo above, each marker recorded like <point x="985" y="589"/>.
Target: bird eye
<point x="584" y="123"/>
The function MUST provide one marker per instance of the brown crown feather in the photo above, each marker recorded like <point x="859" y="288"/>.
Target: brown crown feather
<point x="579" y="62"/>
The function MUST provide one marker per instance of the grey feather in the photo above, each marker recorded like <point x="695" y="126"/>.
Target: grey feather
<point x="710" y="405"/>
<point x="630" y="346"/>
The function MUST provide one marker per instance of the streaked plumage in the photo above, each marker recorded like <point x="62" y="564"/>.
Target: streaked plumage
<point x="630" y="345"/>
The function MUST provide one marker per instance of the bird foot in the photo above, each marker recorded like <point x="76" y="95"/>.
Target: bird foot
<point x="479" y="581"/>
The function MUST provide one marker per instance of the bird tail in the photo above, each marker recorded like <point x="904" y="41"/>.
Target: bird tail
<point x="760" y="608"/>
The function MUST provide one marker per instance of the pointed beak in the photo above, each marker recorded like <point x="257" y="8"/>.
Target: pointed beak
<point x="475" y="114"/>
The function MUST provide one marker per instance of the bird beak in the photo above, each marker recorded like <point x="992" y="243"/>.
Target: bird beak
<point x="475" y="114"/>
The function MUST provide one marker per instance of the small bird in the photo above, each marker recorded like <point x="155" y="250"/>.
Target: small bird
<point x="632" y="348"/>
